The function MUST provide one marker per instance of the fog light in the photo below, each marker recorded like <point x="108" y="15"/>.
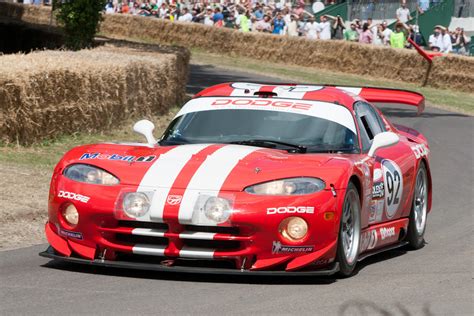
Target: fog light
<point x="70" y="215"/>
<point x="293" y="228"/>
<point x="217" y="209"/>
<point x="135" y="204"/>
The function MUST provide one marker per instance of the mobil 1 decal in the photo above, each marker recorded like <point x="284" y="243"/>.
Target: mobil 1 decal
<point x="393" y="183"/>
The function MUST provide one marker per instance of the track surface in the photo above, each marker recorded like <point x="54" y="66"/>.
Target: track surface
<point x="434" y="280"/>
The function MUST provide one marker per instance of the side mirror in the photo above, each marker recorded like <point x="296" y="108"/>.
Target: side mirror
<point x="145" y="127"/>
<point x="381" y="140"/>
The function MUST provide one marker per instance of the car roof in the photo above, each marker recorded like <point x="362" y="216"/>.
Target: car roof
<point x="345" y="96"/>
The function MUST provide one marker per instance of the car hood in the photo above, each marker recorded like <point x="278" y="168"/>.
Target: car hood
<point x="205" y="167"/>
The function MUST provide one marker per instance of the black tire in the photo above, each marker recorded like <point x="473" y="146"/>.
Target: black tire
<point x="347" y="265"/>
<point x="416" y="233"/>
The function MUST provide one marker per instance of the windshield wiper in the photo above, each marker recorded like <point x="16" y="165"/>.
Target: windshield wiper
<point x="271" y="144"/>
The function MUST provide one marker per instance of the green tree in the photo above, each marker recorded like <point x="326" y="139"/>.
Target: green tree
<point x="80" y="20"/>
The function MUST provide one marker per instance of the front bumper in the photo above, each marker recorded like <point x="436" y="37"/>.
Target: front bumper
<point x="163" y="267"/>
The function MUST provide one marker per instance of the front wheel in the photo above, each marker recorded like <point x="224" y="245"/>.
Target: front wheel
<point x="417" y="223"/>
<point x="349" y="232"/>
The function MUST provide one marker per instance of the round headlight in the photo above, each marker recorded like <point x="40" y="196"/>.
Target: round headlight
<point x="217" y="209"/>
<point x="70" y="215"/>
<point x="294" y="228"/>
<point x="135" y="204"/>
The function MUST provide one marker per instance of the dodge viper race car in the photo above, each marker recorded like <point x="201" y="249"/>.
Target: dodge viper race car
<point x="248" y="178"/>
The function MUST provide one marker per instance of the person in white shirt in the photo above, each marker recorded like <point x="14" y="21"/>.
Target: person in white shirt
<point x="293" y="26"/>
<point x="435" y="41"/>
<point x="403" y="13"/>
<point x="386" y="32"/>
<point x="447" y="44"/>
<point x="186" y="17"/>
<point x="311" y="29"/>
<point x="324" y="28"/>
<point x="373" y="28"/>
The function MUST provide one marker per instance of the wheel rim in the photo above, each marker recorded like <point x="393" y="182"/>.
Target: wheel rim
<point x="350" y="227"/>
<point x="421" y="196"/>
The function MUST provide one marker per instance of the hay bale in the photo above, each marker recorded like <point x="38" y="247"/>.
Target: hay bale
<point x="48" y="93"/>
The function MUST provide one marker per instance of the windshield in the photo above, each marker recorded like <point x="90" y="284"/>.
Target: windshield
<point x="325" y="127"/>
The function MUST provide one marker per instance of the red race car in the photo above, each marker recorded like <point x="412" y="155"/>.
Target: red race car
<point x="248" y="178"/>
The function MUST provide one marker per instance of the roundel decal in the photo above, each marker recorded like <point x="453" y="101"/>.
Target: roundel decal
<point x="393" y="182"/>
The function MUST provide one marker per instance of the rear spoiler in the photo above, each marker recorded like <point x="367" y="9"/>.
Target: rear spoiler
<point x="387" y="95"/>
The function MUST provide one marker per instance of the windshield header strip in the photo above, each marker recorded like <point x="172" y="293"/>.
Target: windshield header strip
<point x="325" y="110"/>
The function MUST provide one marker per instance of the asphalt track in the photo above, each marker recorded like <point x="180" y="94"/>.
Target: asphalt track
<point x="435" y="280"/>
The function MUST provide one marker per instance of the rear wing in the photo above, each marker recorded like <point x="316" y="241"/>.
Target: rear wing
<point x="387" y="95"/>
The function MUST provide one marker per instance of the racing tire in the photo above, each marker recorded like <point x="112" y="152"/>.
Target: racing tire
<point x="419" y="209"/>
<point x="349" y="232"/>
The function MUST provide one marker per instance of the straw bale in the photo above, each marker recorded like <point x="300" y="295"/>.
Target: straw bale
<point x="48" y="93"/>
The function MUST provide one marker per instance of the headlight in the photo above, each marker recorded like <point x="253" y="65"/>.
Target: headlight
<point x="293" y="186"/>
<point x="135" y="204"/>
<point x="293" y="228"/>
<point x="217" y="209"/>
<point x="70" y="215"/>
<point x="90" y="174"/>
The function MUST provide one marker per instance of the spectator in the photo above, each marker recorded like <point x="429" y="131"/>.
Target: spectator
<point x="338" y="28"/>
<point x="435" y="41"/>
<point x="293" y="26"/>
<point x="186" y="16"/>
<point x="403" y="13"/>
<point x="264" y="25"/>
<point x="379" y="36"/>
<point x="324" y="28"/>
<point x="218" y="18"/>
<point x="372" y="27"/>
<point x="243" y="22"/>
<point x="415" y="35"/>
<point x="398" y="37"/>
<point x="447" y="45"/>
<point x="351" y="34"/>
<point x="461" y="45"/>
<point x="311" y="29"/>
<point x="366" y="36"/>
<point x="278" y="24"/>
<point x="386" y="33"/>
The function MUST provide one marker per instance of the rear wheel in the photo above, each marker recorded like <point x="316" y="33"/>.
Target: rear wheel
<point x="349" y="232"/>
<point x="418" y="215"/>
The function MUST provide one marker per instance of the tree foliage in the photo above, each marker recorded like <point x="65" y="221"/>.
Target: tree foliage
<point x="80" y="20"/>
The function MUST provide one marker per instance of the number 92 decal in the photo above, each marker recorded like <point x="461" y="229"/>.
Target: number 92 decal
<point x="393" y="181"/>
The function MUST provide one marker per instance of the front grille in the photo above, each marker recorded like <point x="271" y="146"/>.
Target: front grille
<point x="212" y="244"/>
<point x="213" y="229"/>
<point x="137" y="224"/>
<point x="147" y="240"/>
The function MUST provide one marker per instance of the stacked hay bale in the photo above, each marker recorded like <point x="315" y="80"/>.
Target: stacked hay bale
<point x="48" y="93"/>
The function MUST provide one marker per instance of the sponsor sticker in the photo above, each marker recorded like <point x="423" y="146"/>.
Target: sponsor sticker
<point x="116" y="157"/>
<point x="174" y="199"/>
<point x="368" y="240"/>
<point x="70" y="234"/>
<point x="378" y="190"/>
<point x="73" y="196"/>
<point x="387" y="232"/>
<point x="279" y="248"/>
<point x="420" y="150"/>
<point x="290" y="210"/>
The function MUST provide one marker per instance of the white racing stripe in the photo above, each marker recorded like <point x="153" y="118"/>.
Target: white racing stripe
<point x="162" y="175"/>
<point x="148" y="232"/>
<point x="210" y="177"/>
<point x="196" y="253"/>
<point x="151" y="250"/>
<point x="197" y="235"/>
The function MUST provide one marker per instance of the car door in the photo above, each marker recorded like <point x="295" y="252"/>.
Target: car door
<point x="393" y="168"/>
